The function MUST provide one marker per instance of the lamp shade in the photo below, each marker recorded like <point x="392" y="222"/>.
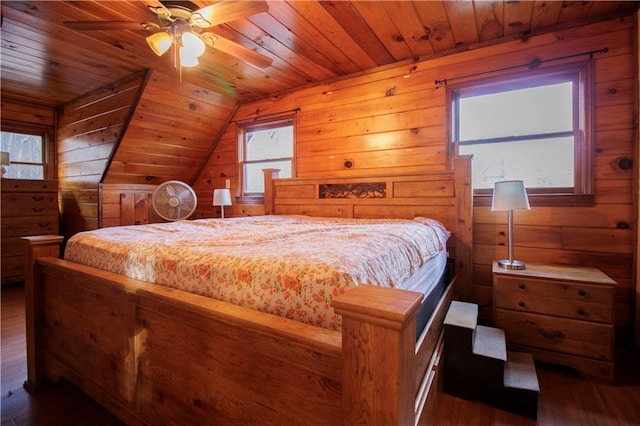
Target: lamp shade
<point x="509" y="195"/>
<point x="4" y="158"/>
<point x="192" y="44"/>
<point x="159" y="42"/>
<point x="187" y="60"/>
<point x="221" y="197"/>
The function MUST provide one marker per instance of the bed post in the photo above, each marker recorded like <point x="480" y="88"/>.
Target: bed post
<point x="269" y="190"/>
<point x="464" y="227"/>
<point x="378" y="346"/>
<point x="35" y="247"/>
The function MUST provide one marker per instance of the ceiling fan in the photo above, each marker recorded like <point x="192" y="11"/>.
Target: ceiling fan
<point x="184" y="26"/>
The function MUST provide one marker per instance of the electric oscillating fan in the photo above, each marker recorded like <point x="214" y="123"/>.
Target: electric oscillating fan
<point x="174" y="200"/>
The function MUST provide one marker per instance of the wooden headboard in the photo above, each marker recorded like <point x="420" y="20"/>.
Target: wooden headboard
<point x="443" y="195"/>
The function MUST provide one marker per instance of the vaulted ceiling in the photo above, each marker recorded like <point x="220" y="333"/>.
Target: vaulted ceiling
<point x="46" y="62"/>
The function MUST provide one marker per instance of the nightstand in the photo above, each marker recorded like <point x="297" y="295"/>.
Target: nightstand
<point x="559" y="314"/>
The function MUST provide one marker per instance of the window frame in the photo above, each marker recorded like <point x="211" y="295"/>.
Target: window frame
<point x="580" y="73"/>
<point x="248" y="126"/>
<point x="48" y="145"/>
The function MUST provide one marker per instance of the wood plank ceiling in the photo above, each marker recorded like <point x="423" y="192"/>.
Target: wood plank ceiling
<point x="48" y="64"/>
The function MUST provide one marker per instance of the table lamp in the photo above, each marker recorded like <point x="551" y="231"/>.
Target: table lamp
<point x="510" y="195"/>
<point x="221" y="197"/>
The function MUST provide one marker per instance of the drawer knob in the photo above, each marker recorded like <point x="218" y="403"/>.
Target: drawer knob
<point x="522" y="287"/>
<point x="582" y="293"/>
<point x="551" y="335"/>
<point x="581" y="311"/>
<point x="521" y="304"/>
<point x="43" y="224"/>
<point x="37" y="197"/>
<point x="38" y="209"/>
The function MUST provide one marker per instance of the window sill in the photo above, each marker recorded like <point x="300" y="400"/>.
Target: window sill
<point x="546" y="200"/>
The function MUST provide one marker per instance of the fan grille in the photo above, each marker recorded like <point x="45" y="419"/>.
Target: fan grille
<point x="174" y="200"/>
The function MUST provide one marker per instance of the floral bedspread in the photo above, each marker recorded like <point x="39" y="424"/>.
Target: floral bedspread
<point x="290" y="266"/>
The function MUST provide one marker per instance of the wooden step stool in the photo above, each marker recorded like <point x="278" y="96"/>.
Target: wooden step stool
<point x="477" y="366"/>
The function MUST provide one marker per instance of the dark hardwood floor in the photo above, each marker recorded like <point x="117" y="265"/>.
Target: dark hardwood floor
<point x="565" y="398"/>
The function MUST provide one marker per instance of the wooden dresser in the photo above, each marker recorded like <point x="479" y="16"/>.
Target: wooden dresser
<point x="29" y="207"/>
<point x="559" y="314"/>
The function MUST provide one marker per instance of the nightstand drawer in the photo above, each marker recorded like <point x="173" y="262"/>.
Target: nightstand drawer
<point x="561" y="298"/>
<point x="568" y="336"/>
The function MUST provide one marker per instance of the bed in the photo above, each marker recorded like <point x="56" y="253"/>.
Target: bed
<point x="157" y="354"/>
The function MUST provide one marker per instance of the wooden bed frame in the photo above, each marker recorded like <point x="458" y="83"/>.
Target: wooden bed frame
<point x="155" y="355"/>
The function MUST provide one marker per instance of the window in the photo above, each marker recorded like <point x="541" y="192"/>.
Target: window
<point x="27" y="150"/>
<point x="265" y="145"/>
<point x="532" y="127"/>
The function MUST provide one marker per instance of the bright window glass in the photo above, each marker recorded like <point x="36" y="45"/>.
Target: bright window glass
<point x="26" y="155"/>
<point x="265" y="146"/>
<point x="535" y="110"/>
<point x="539" y="163"/>
<point x="524" y="129"/>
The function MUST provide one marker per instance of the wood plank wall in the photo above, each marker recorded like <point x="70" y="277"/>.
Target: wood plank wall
<point x="143" y="130"/>
<point x="396" y="118"/>
<point x="27" y="113"/>
<point x="171" y="133"/>
<point x="89" y="129"/>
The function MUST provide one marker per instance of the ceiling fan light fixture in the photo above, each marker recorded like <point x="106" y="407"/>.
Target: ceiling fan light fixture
<point x="192" y="44"/>
<point x="159" y="42"/>
<point x="181" y="27"/>
<point x="187" y="59"/>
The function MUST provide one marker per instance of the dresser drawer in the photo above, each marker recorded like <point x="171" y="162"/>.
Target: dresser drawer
<point x="29" y="225"/>
<point x="560" y="298"/>
<point x="23" y="204"/>
<point x="28" y="185"/>
<point x="563" y="335"/>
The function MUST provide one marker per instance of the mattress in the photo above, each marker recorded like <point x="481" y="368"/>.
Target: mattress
<point x="292" y="266"/>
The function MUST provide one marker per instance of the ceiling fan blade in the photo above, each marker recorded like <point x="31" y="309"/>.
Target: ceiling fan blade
<point x="226" y="11"/>
<point x="108" y="25"/>
<point x="243" y="53"/>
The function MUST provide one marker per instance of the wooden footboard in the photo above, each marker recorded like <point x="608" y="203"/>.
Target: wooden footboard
<point x="154" y="355"/>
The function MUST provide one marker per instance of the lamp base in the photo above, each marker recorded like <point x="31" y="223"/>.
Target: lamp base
<point x="515" y="264"/>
